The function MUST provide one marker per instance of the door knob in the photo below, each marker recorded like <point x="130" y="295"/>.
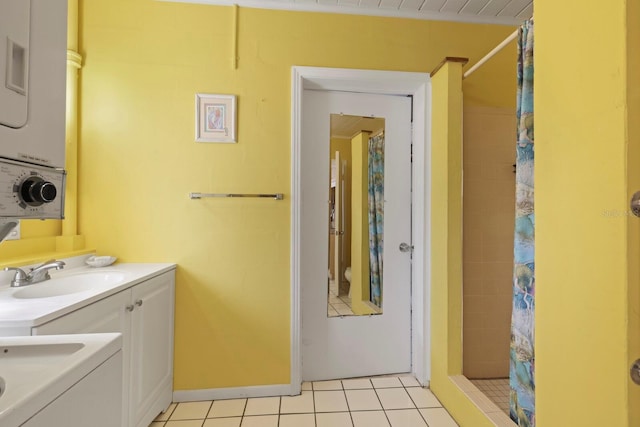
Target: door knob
<point x="405" y="247"/>
<point x="635" y="372"/>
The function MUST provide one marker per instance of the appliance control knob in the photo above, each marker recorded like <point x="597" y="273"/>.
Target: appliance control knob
<point x="35" y="191"/>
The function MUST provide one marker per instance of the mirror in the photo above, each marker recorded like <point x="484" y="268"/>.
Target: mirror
<point x="356" y="215"/>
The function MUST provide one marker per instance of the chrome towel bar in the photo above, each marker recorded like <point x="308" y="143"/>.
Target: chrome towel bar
<point x="276" y="196"/>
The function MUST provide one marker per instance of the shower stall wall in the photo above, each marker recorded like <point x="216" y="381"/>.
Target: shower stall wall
<point x="488" y="223"/>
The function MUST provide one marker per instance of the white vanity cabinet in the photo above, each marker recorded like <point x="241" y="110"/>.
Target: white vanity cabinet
<point x="144" y="314"/>
<point x="92" y="401"/>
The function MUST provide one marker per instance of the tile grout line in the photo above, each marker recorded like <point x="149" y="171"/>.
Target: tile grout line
<point x="244" y="410"/>
<point x="205" y="415"/>
<point x="344" y="393"/>
<point x="279" y="409"/>
<point x="313" y="400"/>
<point x="313" y="397"/>
<point x="384" y="411"/>
<point x="414" y="402"/>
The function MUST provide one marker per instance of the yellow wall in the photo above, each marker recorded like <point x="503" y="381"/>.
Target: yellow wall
<point x="586" y="241"/>
<point x="446" y="245"/>
<point x="36" y="237"/>
<point x="144" y="61"/>
<point x="495" y="77"/>
<point x="633" y="185"/>
<point x="360" y="218"/>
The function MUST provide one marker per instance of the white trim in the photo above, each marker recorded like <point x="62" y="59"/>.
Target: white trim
<point x="231" y="393"/>
<point x="361" y="10"/>
<point x="426" y="236"/>
<point x="296" y="136"/>
<point x="417" y="85"/>
<point x="421" y="296"/>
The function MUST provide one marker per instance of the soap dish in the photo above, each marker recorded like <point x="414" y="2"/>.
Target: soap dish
<point x="100" y="261"/>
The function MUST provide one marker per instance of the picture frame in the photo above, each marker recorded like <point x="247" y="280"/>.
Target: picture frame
<point x="215" y="118"/>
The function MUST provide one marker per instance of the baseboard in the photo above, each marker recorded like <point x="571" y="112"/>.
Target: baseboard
<point x="232" y="393"/>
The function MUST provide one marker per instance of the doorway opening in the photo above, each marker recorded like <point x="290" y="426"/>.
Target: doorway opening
<point x="416" y="85"/>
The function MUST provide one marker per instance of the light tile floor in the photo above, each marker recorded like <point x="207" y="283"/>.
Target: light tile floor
<point x="339" y="305"/>
<point x="389" y="401"/>
<point x="497" y="390"/>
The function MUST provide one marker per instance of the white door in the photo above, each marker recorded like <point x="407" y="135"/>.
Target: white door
<point x="342" y="347"/>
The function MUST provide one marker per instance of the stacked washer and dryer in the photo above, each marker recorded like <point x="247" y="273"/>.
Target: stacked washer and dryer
<point x="33" y="38"/>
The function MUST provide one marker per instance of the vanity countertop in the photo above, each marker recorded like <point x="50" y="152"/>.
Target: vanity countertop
<point x="20" y="309"/>
<point x="34" y="371"/>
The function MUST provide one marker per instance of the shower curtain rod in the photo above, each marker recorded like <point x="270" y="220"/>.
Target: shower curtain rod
<point x="489" y="55"/>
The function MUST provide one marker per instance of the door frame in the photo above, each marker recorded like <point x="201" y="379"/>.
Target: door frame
<point x="417" y="85"/>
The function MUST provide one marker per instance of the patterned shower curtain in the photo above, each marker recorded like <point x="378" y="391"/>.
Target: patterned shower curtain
<point x="376" y="216"/>
<point x="522" y="367"/>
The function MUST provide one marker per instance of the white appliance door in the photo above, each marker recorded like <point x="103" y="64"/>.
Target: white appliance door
<point x="352" y="346"/>
<point x="14" y="55"/>
<point x="32" y="123"/>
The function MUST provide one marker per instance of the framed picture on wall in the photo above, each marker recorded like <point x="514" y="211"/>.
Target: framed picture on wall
<point x="215" y="118"/>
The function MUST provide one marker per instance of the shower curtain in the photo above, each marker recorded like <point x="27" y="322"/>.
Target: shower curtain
<point x="522" y="366"/>
<point x="376" y="216"/>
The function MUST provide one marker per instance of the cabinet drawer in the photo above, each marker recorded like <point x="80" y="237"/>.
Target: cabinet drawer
<point x="107" y="315"/>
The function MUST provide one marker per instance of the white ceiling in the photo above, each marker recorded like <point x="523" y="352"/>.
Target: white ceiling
<point x="507" y="12"/>
<point x="344" y="126"/>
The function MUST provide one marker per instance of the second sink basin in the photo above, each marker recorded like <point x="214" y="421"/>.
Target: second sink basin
<point x="37" y="370"/>
<point x="27" y="353"/>
<point x="69" y="285"/>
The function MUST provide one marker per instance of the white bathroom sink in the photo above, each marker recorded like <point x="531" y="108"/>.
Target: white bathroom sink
<point x="70" y="284"/>
<point x="34" y="352"/>
<point x="34" y="370"/>
<point x="69" y="289"/>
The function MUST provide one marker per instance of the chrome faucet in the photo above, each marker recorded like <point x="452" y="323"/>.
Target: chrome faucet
<point x="36" y="275"/>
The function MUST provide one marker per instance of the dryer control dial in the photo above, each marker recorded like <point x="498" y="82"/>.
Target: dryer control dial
<point x="31" y="191"/>
<point x="35" y="191"/>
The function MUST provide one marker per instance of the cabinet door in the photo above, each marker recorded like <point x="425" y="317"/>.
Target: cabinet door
<point x="107" y="315"/>
<point x="152" y="348"/>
